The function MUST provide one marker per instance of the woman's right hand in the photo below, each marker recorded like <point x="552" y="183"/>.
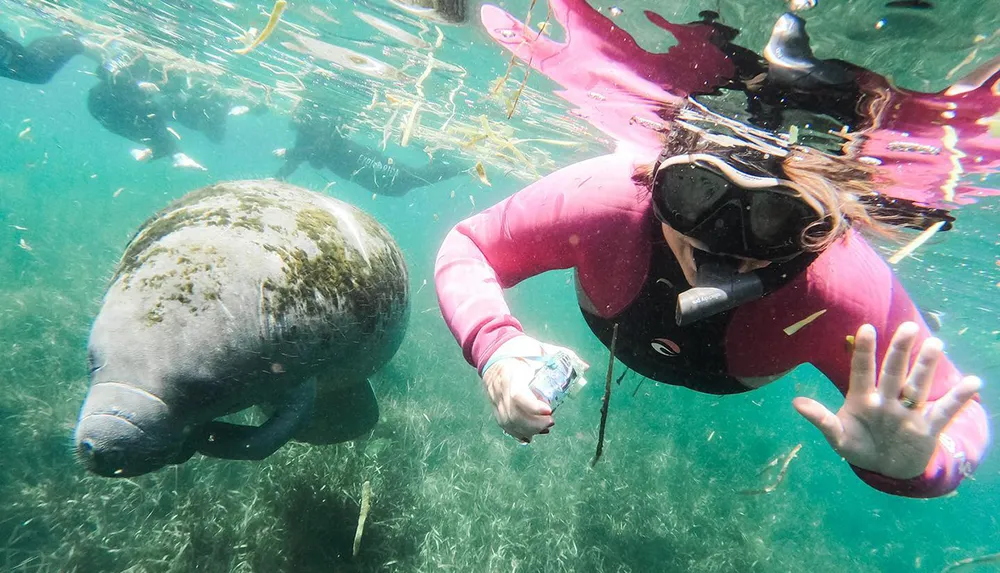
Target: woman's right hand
<point x="516" y="408"/>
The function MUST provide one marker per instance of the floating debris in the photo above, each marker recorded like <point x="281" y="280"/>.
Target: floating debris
<point x="481" y="172"/>
<point x="247" y="37"/>
<point x="512" y="103"/>
<point x="25" y="134"/>
<point x="423" y="76"/>
<point x="387" y="128"/>
<point x="991" y="558"/>
<point x="801" y="5"/>
<point x="411" y="122"/>
<point x="141" y="154"/>
<point x="272" y="22"/>
<point x="237" y="110"/>
<point x="781" y="473"/>
<point x="615" y="11"/>
<point x="182" y="161"/>
<point x="279" y="152"/>
<point x="790" y="330"/>
<point x="915" y="243"/>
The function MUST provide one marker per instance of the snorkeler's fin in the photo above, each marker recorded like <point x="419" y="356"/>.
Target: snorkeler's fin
<point x="182" y="161"/>
<point x="791" y="62"/>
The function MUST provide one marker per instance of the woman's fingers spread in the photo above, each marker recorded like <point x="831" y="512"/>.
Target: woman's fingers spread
<point x="818" y="415"/>
<point x="897" y="361"/>
<point x="947" y="406"/>
<point x="862" y="380"/>
<point x="918" y="384"/>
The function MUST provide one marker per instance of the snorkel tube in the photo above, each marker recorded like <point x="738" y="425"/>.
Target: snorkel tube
<point x="720" y="287"/>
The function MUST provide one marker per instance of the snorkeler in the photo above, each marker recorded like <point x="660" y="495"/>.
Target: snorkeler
<point x="724" y="264"/>
<point x="319" y="140"/>
<point x="125" y="106"/>
<point x="126" y="102"/>
<point x="39" y="61"/>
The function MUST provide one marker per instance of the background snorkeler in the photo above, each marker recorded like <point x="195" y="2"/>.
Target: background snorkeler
<point x="322" y="141"/>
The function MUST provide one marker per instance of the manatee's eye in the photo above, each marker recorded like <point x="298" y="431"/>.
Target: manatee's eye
<point x="92" y="364"/>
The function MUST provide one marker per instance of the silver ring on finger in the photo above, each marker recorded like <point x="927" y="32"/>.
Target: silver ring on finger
<point x="907" y="402"/>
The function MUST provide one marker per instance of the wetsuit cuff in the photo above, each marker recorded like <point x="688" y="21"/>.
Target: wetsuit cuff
<point x="520" y="345"/>
<point x="920" y="486"/>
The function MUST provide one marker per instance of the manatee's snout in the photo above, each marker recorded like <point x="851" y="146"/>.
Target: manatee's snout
<point x="110" y="446"/>
<point x="124" y="431"/>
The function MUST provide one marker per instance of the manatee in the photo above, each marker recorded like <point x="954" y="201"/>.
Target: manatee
<point x="241" y="294"/>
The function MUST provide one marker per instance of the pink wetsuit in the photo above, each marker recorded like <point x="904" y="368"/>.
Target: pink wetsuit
<point x="592" y="216"/>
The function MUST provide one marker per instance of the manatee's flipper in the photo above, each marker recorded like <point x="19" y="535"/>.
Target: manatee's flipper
<point x="239" y="442"/>
<point x="791" y="61"/>
<point x="342" y="415"/>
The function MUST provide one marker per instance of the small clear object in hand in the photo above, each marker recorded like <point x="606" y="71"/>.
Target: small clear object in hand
<point x="561" y="374"/>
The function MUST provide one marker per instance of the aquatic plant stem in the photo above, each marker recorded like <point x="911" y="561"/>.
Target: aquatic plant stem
<point x="607" y="397"/>
<point x="366" y="496"/>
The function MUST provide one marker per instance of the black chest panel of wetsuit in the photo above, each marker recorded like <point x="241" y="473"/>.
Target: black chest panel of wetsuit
<point x="650" y="341"/>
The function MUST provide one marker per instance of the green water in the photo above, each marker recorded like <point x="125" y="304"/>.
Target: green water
<point x="449" y="491"/>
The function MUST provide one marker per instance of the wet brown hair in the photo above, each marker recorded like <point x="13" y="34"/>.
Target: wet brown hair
<point x="840" y="189"/>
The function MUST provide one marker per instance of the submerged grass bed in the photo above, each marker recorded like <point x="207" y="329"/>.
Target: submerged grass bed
<point x="449" y="492"/>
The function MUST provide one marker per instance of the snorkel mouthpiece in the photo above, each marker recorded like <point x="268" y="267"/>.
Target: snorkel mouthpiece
<point x="720" y="288"/>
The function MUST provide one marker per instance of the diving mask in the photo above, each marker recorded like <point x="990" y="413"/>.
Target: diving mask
<point x="732" y="205"/>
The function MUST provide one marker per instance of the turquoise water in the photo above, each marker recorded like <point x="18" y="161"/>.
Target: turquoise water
<point x="449" y="491"/>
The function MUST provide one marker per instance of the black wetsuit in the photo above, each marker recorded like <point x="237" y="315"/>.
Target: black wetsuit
<point x="318" y="142"/>
<point x="647" y="328"/>
<point x="123" y="108"/>
<point x="39" y="61"/>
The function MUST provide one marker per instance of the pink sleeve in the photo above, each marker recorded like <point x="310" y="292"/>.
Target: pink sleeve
<point x="852" y="283"/>
<point x="580" y="216"/>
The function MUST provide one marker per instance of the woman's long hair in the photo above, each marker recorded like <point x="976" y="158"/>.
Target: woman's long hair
<point x="840" y="189"/>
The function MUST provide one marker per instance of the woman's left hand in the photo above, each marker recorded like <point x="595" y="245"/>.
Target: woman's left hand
<point x="889" y="427"/>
